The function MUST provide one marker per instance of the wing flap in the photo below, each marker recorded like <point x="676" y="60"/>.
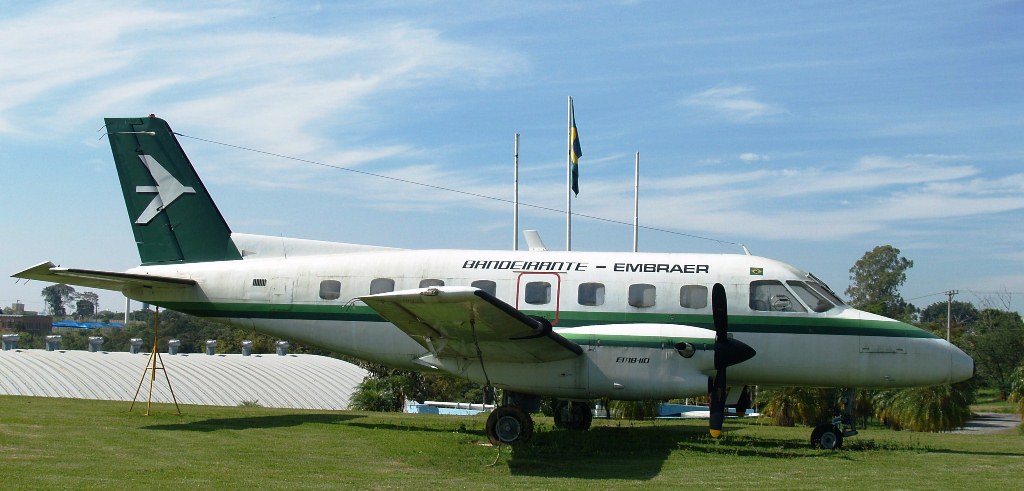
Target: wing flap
<point x="106" y="280"/>
<point x="470" y="323"/>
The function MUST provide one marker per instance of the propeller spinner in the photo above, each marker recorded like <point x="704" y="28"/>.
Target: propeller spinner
<point x="728" y="352"/>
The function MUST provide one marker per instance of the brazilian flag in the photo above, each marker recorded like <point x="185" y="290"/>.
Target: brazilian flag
<point x="574" y="151"/>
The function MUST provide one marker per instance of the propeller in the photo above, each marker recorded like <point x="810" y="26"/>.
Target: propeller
<point x="728" y="352"/>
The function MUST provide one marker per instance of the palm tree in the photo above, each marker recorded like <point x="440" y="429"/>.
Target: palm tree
<point x="789" y="406"/>
<point x="634" y="409"/>
<point x="936" y="408"/>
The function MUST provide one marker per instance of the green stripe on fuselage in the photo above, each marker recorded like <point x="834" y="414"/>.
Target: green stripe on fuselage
<point x="767" y="324"/>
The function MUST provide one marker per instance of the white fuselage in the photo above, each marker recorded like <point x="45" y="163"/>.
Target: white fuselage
<point x="626" y="310"/>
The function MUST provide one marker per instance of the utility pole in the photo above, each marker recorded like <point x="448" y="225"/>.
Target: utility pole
<point x="949" y="310"/>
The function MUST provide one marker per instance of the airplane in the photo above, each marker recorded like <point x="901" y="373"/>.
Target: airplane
<point x="575" y="326"/>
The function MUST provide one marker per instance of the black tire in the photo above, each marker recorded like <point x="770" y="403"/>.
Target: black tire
<point x="573" y="415"/>
<point x="826" y="437"/>
<point x="509" y="425"/>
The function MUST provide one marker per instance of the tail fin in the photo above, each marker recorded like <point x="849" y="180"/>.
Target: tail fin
<point x="172" y="215"/>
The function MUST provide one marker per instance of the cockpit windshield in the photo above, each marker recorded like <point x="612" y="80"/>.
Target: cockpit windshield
<point x="793" y="296"/>
<point x="810" y="296"/>
<point x="824" y="289"/>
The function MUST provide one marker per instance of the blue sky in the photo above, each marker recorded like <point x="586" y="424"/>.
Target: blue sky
<point x="809" y="131"/>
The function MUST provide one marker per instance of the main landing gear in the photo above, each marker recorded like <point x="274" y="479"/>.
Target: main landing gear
<point x="573" y="415"/>
<point x="511" y="424"/>
<point x="829" y="436"/>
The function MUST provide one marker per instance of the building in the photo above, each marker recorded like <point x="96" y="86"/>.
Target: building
<point x="284" y="381"/>
<point x="28" y="322"/>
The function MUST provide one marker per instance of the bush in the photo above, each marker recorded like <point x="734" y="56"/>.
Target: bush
<point x="1017" y="388"/>
<point x="790" y="406"/>
<point x="634" y="409"/>
<point x="936" y="408"/>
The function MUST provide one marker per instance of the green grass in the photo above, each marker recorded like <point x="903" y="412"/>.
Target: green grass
<point x="73" y="444"/>
<point x="989" y="402"/>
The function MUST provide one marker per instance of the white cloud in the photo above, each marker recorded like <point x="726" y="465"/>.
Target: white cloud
<point x="734" y="102"/>
<point x="229" y="81"/>
<point x="872" y="194"/>
<point x="753" y="157"/>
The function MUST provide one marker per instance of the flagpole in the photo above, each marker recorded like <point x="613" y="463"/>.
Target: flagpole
<point x="568" y="178"/>
<point x="515" y="196"/>
<point x="636" y="202"/>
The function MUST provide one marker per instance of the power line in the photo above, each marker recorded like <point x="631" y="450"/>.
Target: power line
<point x="974" y="292"/>
<point x="452" y="190"/>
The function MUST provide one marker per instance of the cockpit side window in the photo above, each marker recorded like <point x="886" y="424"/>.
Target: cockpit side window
<point x="810" y="297"/>
<point x="772" y="296"/>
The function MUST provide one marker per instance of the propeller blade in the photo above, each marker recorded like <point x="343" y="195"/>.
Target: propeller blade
<point x="728" y="352"/>
<point x="717" y="406"/>
<point x="720" y="314"/>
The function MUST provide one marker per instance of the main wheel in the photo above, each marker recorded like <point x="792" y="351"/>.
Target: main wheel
<point x="826" y="437"/>
<point x="509" y="425"/>
<point x="573" y="415"/>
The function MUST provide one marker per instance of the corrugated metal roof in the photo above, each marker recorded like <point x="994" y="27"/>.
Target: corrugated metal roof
<point x="291" y="381"/>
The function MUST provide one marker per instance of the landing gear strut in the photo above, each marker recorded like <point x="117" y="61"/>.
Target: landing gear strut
<point x="829" y="436"/>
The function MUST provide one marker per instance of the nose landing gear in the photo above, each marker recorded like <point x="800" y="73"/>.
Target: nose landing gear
<point x="829" y="436"/>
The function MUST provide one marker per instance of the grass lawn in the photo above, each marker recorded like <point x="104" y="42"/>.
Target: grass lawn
<point x="989" y="402"/>
<point x="74" y="444"/>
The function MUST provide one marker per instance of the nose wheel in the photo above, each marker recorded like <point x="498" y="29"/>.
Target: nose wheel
<point x="827" y="437"/>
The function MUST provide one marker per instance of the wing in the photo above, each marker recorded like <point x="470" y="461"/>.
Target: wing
<point x="107" y="280"/>
<point x="466" y="322"/>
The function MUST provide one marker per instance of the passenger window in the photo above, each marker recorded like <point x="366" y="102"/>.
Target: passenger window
<point x="591" y="294"/>
<point x="330" y="289"/>
<point x="810" y="297"/>
<point x="429" y="282"/>
<point x="641" y="295"/>
<point x="693" y="297"/>
<point x="487" y="286"/>
<point x="382" y="285"/>
<point x="537" y="293"/>
<point x="772" y="296"/>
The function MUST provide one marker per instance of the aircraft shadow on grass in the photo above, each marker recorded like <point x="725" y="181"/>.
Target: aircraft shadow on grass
<point x="633" y="453"/>
<point x="275" y="421"/>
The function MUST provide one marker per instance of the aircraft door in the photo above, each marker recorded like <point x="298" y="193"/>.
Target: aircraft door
<point x="539" y="294"/>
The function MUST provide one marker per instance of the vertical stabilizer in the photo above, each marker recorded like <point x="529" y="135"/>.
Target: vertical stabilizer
<point x="172" y="215"/>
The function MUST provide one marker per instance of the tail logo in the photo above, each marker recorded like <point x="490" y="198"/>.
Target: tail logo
<point x="167" y="189"/>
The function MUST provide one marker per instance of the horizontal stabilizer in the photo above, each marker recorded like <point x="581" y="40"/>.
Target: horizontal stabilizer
<point x="464" y="322"/>
<point x="106" y="280"/>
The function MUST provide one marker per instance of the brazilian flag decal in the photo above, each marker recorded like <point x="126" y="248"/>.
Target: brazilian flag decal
<point x="756" y="271"/>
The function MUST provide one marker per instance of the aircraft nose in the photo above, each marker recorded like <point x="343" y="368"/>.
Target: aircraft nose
<point x="961" y="366"/>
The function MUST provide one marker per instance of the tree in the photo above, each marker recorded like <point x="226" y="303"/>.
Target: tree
<point x="90" y="297"/>
<point x="84" y="308"/>
<point x="996" y="342"/>
<point x="962" y="313"/>
<point x="876" y="278"/>
<point x="56" y="296"/>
